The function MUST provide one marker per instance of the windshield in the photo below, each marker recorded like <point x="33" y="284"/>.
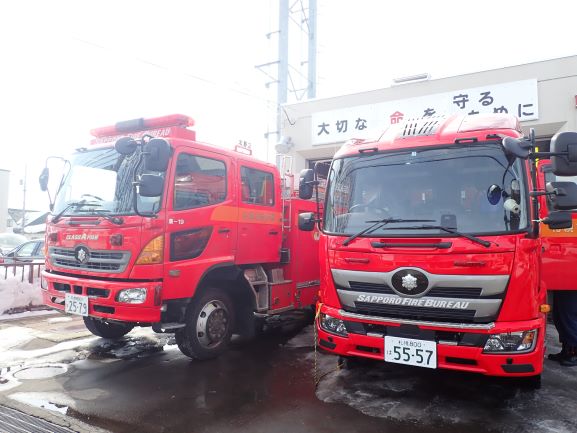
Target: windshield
<point x="446" y="186"/>
<point x="102" y="180"/>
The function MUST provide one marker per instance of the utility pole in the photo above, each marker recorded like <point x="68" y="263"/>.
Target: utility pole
<point x="24" y="199"/>
<point x="295" y="74"/>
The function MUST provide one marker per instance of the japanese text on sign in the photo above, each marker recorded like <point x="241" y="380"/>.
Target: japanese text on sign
<point x="519" y="98"/>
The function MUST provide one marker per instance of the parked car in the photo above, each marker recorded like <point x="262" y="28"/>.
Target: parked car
<point x="27" y="252"/>
<point x="9" y="241"/>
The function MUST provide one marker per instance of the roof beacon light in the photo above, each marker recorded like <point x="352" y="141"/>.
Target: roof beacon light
<point x="136" y="125"/>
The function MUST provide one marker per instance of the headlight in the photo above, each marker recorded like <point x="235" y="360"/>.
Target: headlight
<point x="43" y="283"/>
<point x="332" y="325"/>
<point x="132" y="296"/>
<point x="511" y="342"/>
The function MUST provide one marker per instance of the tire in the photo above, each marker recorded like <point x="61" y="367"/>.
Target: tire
<point x="530" y="382"/>
<point x="105" y="329"/>
<point x="349" y="363"/>
<point x="209" y="324"/>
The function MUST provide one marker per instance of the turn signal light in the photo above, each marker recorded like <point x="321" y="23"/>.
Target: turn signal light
<point x="545" y="308"/>
<point x="152" y="252"/>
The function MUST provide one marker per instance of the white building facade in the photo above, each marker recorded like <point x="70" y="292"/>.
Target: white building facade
<point x="542" y="94"/>
<point x="4" y="188"/>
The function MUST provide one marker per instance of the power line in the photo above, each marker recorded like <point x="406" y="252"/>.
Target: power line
<point x="180" y="72"/>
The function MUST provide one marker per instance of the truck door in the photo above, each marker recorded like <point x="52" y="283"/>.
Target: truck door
<point x="559" y="246"/>
<point x="201" y="227"/>
<point x="260" y="216"/>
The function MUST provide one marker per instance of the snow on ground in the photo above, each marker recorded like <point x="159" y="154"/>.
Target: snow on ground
<point x="15" y="293"/>
<point x="430" y="397"/>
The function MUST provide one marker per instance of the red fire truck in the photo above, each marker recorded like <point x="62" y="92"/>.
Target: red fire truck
<point x="431" y="252"/>
<point x="151" y="227"/>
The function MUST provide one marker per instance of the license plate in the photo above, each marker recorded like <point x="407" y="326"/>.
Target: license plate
<point x="420" y="353"/>
<point x="75" y="304"/>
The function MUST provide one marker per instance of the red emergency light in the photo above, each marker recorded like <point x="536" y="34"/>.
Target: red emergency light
<point x="136" y="125"/>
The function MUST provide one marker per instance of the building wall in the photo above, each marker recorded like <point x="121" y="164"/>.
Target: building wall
<point x="556" y="89"/>
<point x="4" y="187"/>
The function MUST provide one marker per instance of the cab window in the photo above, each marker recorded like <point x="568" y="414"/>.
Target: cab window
<point x="257" y="187"/>
<point x="198" y="182"/>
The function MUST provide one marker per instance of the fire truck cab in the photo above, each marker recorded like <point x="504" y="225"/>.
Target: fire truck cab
<point x="151" y="227"/>
<point x="431" y="250"/>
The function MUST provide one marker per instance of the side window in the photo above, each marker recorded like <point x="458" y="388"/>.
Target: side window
<point x="27" y="250"/>
<point x="257" y="186"/>
<point x="198" y="182"/>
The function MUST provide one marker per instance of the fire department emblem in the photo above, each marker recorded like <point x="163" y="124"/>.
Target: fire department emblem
<point x="409" y="282"/>
<point x="81" y="254"/>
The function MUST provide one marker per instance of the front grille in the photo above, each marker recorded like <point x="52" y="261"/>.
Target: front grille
<point x="359" y="286"/>
<point x="416" y="313"/>
<point x="99" y="261"/>
<point x="437" y="292"/>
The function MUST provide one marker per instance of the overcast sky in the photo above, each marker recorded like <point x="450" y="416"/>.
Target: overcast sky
<point x="69" y="66"/>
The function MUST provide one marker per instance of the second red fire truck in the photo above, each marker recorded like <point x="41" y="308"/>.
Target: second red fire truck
<point x="151" y="227"/>
<point x="431" y="249"/>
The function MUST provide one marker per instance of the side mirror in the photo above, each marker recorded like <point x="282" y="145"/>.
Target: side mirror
<point x="150" y="185"/>
<point x="494" y="194"/>
<point x="565" y="144"/>
<point x="43" y="179"/>
<point x="307" y="221"/>
<point x="517" y="147"/>
<point x="126" y="145"/>
<point x="306" y="184"/>
<point x="156" y="155"/>
<point x="563" y="195"/>
<point x="559" y="220"/>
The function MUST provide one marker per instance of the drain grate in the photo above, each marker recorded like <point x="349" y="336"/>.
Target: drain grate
<point x="13" y="421"/>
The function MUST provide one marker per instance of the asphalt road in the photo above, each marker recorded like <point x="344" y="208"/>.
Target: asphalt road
<point x="143" y="383"/>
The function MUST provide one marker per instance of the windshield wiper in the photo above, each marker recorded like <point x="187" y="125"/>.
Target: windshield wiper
<point x="475" y="239"/>
<point x="380" y="223"/>
<point x="74" y="204"/>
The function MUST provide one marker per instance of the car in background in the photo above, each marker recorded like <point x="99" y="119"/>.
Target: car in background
<point x="30" y="251"/>
<point x="9" y="241"/>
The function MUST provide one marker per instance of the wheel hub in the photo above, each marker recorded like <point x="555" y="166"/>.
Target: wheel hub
<point x="212" y="324"/>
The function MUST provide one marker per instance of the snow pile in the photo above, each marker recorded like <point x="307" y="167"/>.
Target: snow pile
<point x="15" y="293"/>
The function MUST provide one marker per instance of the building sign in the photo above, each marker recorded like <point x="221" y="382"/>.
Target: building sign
<point x="368" y="121"/>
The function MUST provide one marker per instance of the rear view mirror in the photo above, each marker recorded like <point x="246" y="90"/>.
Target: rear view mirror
<point x="156" y="155"/>
<point x="306" y="184"/>
<point x="43" y="179"/>
<point x="151" y="185"/>
<point x="307" y="221"/>
<point x="564" y="146"/>
<point x="559" y="220"/>
<point x="563" y="195"/>
<point x="126" y="145"/>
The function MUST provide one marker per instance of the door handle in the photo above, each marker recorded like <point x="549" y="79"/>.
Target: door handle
<point x="273" y="232"/>
<point x="224" y="230"/>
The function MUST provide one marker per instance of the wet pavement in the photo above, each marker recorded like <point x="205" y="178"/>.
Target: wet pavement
<point x="143" y="383"/>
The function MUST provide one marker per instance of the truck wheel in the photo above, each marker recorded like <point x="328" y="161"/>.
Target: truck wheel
<point x="349" y="363"/>
<point x="209" y="324"/>
<point x="106" y="329"/>
<point x="530" y="382"/>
